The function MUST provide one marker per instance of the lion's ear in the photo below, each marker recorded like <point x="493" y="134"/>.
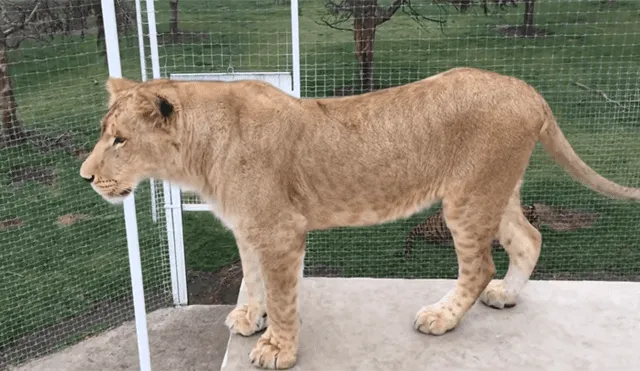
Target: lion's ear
<point x="158" y="108"/>
<point x="115" y="85"/>
<point x="165" y="107"/>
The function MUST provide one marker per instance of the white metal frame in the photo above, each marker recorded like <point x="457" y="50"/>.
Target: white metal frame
<point x="174" y="205"/>
<point x="172" y="193"/>
<point x="173" y="215"/>
<point x="281" y="80"/>
<point x="289" y="82"/>
<point x="135" y="266"/>
<point x="143" y="73"/>
<point x="295" y="48"/>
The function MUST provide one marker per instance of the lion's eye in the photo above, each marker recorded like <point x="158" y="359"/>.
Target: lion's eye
<point x="118" y="140"/>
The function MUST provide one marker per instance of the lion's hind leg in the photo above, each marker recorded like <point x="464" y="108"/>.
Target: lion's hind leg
<point x="522" y="241"/>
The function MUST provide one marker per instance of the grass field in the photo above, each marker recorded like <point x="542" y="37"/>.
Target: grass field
<point x="52" y="271"/>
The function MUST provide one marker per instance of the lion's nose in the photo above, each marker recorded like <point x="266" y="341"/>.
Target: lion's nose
<point x="90" y="180"/>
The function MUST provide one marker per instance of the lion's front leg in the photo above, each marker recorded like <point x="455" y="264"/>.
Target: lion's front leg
<point x="247" y="319"/>
<point x="281" y="257"/>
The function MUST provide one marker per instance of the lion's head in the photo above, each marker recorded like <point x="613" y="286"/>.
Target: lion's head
<point x="137" y="137"/>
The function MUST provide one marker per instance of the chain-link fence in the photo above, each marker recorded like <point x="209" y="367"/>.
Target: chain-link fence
<point x="64" y="269"/>
<point x="582" y="55"/>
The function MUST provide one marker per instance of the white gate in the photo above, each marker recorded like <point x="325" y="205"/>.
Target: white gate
<point x="288" y="82"/>
<point x="175" y="203"/>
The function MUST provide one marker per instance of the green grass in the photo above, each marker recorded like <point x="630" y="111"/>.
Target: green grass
<point x="51" y="273"/>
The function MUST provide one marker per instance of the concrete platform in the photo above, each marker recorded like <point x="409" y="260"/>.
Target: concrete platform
<point x="366" y="324"/>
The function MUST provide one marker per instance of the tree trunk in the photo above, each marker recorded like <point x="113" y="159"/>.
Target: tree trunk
<point x="173" y="22"/>
<point x="528" y="27"/>
<point x="11" y="126"/>
<point x="364" y="53"/>
<point x="364" y="32"/>
<point x="100" y="41"/>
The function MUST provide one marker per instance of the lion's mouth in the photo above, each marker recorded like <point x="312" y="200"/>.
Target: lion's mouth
<point x="126" y="192"/>
<point x="116" y="197"/>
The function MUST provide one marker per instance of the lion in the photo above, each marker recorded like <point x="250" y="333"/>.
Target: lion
<point x="273" y="167"/>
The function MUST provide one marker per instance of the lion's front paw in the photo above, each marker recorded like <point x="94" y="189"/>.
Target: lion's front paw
<point x="266" y="354"/>
<point x="435" y="319"/>
<point x="244" y="321"/>
<point x="496" y="296"/>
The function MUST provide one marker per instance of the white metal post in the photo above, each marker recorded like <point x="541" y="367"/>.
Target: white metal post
<point x="135" y="266"/>
<point x="173" y="215"/>
<point x="172" y="199"/>
<point x="295" y="47"/>
<point x="295" y="51"/>
<point x="181" y="267"/>
<point x="153" y="39"/>
<point x="168" y="215"/>
<point x="143" y="73"/>
<point x="143" y="62"/>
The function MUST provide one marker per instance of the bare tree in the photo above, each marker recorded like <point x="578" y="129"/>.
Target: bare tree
<point x="366" y="16"/>
<point x="528" y="25"/>
<point x="463" y="5"/>
<point x="173" y="21"/>
<point x="41" y="20"/>
<point x="526" y="29"/>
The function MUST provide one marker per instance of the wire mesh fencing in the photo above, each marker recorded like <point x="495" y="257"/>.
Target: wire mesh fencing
<point x="64" y="270"/>
<point x="582" y="55"/>
<point x="224" y="37"/>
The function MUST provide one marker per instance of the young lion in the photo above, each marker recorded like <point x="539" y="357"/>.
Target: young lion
<point x="274" y="167"/>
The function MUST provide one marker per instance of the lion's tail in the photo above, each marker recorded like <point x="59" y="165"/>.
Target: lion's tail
<point x="561" y="151"/>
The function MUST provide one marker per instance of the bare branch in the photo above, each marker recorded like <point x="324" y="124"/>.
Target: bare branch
<point x="383" y="15"/>
<point x="417" y="17"/>
<point x="23" y="24"/>
<point x="339" y="12"/>
<point x="343" y="11"/>
<point x="600" y="93"/>
<point x="333" y="25"/>
<point x="43" y="19"/>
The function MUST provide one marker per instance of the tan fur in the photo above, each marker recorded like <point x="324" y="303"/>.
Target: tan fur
<point x="274" y="167"/>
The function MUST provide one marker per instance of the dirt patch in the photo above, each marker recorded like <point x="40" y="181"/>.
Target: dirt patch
<point x="564" y="219"/>
<point x="435" y="231"/>
<point x="220" y="287"/>
<point x="81" y="153"/>
<point x="70" y="219"/>
<point x="47" y="143"/>
<point x="522" y="31"/>
<point x="10" y="223"/>
<point x="40" y="175"/>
